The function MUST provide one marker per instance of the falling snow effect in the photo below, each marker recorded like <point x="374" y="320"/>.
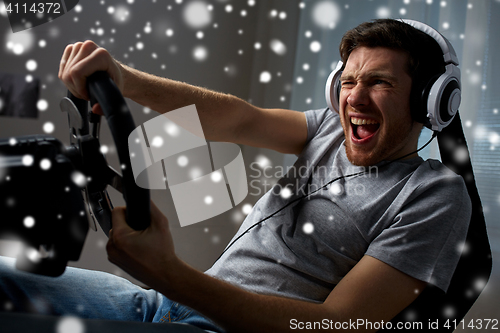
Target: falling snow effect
<point x="29" y="222"/>
<point x="182" y="161"/>
<point x="278" y="47"/>
<point x="326" y="14"/>
<point x="120" y="14"/>
<point x="315" y="46"/>
<point x="216" y="176"/>
<point x="197" y="14"/>
<point x="20" y="43"/>
<point x="68" y="324"/>
<point x="45" y="164"/>
<point x="200" y="53"/>
<point x="265" y="77"/>
<point x="202" y="22"/>
<point x="28" y="160"/>
<point x="104" y="149"/>
<point x="286" y="193"/>
<point x="172" y="129"/>
<point x="31" y="65"/>
<point x="79" y="179"/>
<point x="246" y="209"/>
<point x="262" y="161"/>
<point x="157" y="142"/>
<point x="42" y="105"/>
<point x="383" y="12"/>
<point x="336" y="189"/>
<point x="209" y="200"/>
<point x="308" y="228"/>
<point x="195" y="173"/>
<point x="48" y="127"/>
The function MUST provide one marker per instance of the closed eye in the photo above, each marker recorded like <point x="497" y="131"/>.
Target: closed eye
<point x="381" y="82"/>
<point x="346" y="83"/>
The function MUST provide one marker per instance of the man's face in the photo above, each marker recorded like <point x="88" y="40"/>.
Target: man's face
<point x="375" y="106"/>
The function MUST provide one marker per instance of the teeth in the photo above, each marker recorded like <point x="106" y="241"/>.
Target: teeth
<point x="360" y="121"/>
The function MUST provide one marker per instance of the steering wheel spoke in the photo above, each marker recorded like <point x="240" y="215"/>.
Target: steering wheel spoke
<point x="86" y="153"/>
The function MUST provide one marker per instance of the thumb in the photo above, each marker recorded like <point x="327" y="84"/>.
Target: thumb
<point x="96" y="108"/>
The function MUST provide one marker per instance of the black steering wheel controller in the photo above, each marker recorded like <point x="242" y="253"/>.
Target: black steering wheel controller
<point x="47" y="190"/>
<point x="86" y="152"/>
<point x="40" y="205"/>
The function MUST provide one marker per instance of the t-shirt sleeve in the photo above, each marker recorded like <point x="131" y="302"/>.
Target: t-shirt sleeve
<point x="315" y="119"/>
<point x="427" y="236"/>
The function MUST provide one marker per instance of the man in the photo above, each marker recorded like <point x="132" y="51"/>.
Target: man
<point x="371" y="252"/>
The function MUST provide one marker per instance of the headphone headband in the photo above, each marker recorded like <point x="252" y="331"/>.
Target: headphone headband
<point x="449" y="54"/>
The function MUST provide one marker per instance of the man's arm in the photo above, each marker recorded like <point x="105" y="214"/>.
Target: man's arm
<point x="223" y="117"/>
<point x="372" y="291"/>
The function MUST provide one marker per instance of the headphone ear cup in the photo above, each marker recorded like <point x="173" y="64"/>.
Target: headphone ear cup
<point x="332" y="89"/>
<point x="442" y="98"/>
<point x="450" y="101"/>
<point x="436" y="103"/>
<point x="419" y="101"/>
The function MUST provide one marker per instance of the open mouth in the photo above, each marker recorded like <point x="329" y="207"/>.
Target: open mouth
<point x="363" y="128"/>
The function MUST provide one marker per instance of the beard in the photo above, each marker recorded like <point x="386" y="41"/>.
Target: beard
<point x="389" y="146"/>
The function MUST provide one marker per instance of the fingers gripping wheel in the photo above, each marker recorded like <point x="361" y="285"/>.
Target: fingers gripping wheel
<point x="91" y="163"/>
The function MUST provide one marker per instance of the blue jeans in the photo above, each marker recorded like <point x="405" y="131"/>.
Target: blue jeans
<point x="90" y="294"/>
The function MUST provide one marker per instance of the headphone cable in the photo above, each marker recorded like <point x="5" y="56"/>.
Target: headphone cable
<point x="434" y="134"/>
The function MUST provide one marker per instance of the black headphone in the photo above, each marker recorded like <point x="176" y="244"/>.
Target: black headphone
<point x="441" y="97"/>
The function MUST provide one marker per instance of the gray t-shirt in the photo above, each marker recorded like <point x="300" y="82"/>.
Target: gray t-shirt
<point x="411" y="214"/>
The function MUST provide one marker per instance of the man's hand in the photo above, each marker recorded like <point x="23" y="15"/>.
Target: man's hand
<point x="146" y="254"/>
<point x="79" y="61"/>
<point x="372" y="290"/>
<point x="224" y="118"/>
